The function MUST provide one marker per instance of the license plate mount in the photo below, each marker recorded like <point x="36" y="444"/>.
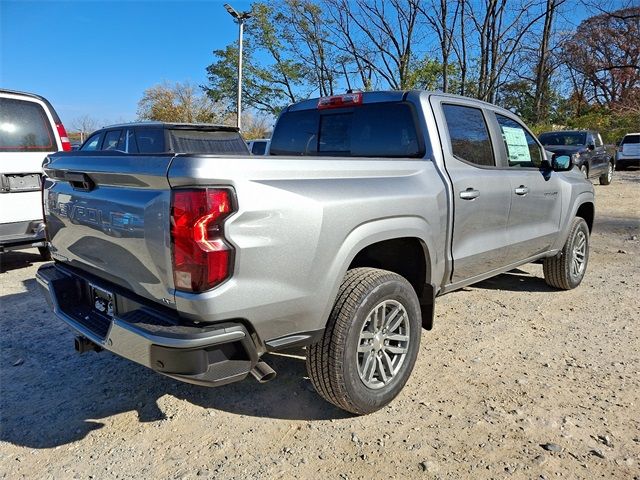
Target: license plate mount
<point x="102" y="301"/>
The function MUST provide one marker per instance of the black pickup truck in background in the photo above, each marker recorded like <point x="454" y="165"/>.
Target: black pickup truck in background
<point x="161" y="137"/>
<point x="586" y="149"/>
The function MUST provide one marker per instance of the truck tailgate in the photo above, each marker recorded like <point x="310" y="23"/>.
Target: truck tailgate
<point x="108" y="214"/>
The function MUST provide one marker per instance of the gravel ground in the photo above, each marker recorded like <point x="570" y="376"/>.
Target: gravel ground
<point x="516" y="380"/>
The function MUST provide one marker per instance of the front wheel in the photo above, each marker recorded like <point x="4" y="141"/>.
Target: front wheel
<point x="605" y="178"/>
<point x="566" y="270"/>
<point x="370" y="343"/>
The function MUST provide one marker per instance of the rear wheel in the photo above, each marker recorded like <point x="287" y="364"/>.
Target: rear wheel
<point x="370" y="343"/>
<point x="605" y="178"/>
<point x="566" y="270"/>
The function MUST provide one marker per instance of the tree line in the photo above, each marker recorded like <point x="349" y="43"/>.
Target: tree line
<point x="524" y="55"/>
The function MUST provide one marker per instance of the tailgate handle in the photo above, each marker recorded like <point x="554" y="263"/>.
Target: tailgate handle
<point x="79" y="181"/>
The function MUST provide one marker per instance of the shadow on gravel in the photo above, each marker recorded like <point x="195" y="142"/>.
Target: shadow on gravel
<point x="51" y="396"/>
<point x="515" y="281"/>
<point x="619" y="225"/>
<point x="16" y="259"/>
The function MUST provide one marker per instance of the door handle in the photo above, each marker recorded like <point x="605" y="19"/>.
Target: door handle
<point x="521" y="190"/>
<point x="469" y="194"/>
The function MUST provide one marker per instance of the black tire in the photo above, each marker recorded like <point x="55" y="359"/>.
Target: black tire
<point x="45" y="254"/>
<point x="605" y="178"/>
<point x="559" y="271"/>
<point x="585" y="171"/>
<point x="333" y="363"/>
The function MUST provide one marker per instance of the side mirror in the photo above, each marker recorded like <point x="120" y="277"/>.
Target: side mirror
<point x="591" y="146"/>
<point x="561" y="163"/>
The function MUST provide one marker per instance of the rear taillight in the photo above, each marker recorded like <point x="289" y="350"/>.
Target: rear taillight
<point x="338" y="101"/>
<point x="201" y="257"/>
<point x="66" y="144"/>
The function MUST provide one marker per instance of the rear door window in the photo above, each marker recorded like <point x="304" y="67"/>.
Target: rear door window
<point x="150" y="140"/>
<point x="386" y="129"/>
<point x="25" y="127"/>
<point x="522" y="149"/>
<point x="113" y="140"/>
<point x="469" y="135"/>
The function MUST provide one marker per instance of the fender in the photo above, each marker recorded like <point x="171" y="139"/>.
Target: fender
<point x="382" y="229"/>
<point x="581" y="199"/>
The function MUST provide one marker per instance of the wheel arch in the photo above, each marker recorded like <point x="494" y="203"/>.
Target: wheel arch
<point x="403" y="245"/>
<point x="586" y="210"/>
<point x="583" y="207"/>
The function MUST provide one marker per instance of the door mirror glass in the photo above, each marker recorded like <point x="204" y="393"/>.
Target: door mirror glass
<point x="562" y="163"/>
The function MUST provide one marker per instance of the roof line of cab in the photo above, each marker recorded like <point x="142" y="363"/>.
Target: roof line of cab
<point x="175" y="125"/>
<point x="379" y="96"/>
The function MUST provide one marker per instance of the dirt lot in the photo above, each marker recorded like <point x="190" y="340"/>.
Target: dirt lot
<point x="516" y="380"/>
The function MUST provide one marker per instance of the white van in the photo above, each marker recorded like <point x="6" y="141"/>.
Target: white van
<point x="29" y="130"/>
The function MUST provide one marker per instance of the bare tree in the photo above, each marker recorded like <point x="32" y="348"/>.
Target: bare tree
<point x="304" y="27"/>
<point x="500" y="33"/>
<point x="443" y="24"/>
<point x="84" y="125"/>
<point x="543" y="68"/>
<point x="378" y="35"/>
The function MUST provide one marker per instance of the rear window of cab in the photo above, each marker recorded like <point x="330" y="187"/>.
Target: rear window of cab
<point x="386" y="129"/>
<point x="25" y="127"/>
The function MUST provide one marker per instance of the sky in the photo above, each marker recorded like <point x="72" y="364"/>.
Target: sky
<point x="96" y="58"/>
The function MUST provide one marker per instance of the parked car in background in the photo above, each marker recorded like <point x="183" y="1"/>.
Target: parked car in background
<point x="29" y="130"/>
<point x="161" y="137"/>
<point x="586" y="150"/>
<point x="259" y="146"/>
<point x="628" y="153"/>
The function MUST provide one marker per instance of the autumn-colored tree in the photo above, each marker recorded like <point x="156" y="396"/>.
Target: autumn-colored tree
<point x="255" y="125"/>
<point x="604" y="53"/>
<point x="180" y="102"/>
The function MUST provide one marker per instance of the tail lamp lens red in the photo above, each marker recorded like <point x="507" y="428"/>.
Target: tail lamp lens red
<point x="201" y="257"/>
<point x="64" y="138"/>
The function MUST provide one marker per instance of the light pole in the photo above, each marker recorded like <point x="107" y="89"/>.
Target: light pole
<point x="240" y="18"/>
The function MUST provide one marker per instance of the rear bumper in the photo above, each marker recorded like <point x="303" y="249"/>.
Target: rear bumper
<point x="623" y="161"/>
<point x="212" y="355"/>
<point x="22" y="234"/>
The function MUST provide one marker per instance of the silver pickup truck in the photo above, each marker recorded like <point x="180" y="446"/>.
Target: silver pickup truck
<point x="369" y="206"/>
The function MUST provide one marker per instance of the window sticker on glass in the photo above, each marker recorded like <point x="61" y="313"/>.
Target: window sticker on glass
<point x="517" y="146"/>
